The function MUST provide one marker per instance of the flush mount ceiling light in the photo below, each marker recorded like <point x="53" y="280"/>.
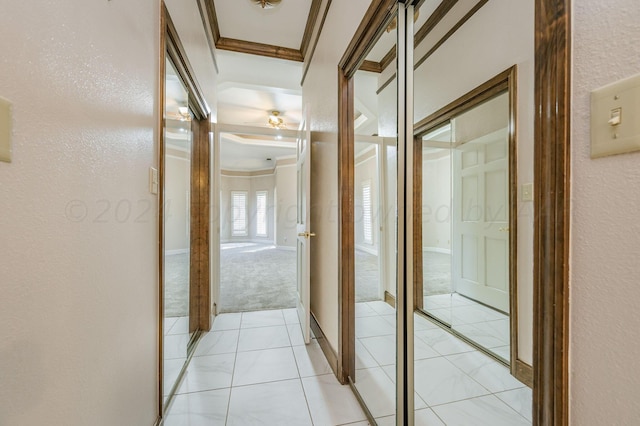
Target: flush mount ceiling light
<point x="276" y="121"/>
<point x="266" y="4"/>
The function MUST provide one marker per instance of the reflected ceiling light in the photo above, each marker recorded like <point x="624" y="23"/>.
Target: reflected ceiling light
<point x="266" y="4"/>
<point x="185" y="115"/>
<point x="394" y="24"/>
<point x="276" y="121"/>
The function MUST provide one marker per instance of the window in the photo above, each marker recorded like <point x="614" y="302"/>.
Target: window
<point x="238" y="213"/>
<point x="366" y="212"/>
<point x="261" y="213"/>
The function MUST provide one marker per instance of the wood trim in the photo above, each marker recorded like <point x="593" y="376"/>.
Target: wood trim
<point x="346" y="230"/>
<point x="386" y="83"/>
<point x="552" y="201"/>
<point x="433" y="20"/>
<point x="418" y="285"/>
<point x="308" y="58"/>
<point x="388" y="59"/>
<point x="175" y="51"/>
<point x="314" y="10"/>
<point x="438" y="15"/>
<point x="259" y="49"/>
<point x="451" y="32"/>
<point x="213" y="29"/>
<point x="390" y="298"/>
<point x="476" y="96"/>
<point x="523" y="372"/>
<point x="210" y="24"/>
<point x="199" y="277"/>
<point x="371" y="66"/>
<point x="161" y="203"/>
<point x="327" y="350"/>
<point x="379" y="14"/>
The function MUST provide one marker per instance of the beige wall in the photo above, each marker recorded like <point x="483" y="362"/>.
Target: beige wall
<point x="79" y="306"/>
<point x="286" y="205"/>
<point x="177" y="174"/>
<point x="320" y="91"/>
<point x="605" y="202"/>
<point x="79" y="303"/>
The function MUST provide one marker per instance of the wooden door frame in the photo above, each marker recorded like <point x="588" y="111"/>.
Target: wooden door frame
<point x="551" y="201"/>
<point x="199" y="269"/>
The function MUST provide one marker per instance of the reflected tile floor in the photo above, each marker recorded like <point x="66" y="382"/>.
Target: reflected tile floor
<point x="455" y="384"/>
<point x="253" y="368"/>
<point x="477" y="322"/>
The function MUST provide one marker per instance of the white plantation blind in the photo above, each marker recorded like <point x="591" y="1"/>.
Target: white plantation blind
<point x="366" y="212"/>
<point x="261" y="213"/>
<point x="238" y="213"/>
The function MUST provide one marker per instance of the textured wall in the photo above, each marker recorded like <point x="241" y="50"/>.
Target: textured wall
<point x="605" y="202"/>
<point x="320" y="91"/>
<point x="78" y="245"/>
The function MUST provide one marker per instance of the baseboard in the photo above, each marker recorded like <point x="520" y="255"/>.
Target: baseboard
<point x="177" y="251"/>
<point x="390" y="299"/>
<point x="437" y="250"/>
<point x="367" y="249"/>
<point x="524" y="372"/>
<point x="286" y="248"/>
<point x="327" y="350"/>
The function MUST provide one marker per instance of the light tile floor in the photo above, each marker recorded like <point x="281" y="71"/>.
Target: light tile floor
<point x="253" y="368"/>
<point x="481" y="324"/>
<point x="455" y="384"/>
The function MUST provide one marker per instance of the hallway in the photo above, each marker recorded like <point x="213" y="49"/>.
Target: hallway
<point x="253" y="368"/>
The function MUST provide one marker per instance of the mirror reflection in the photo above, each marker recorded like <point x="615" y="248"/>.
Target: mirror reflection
<point x="178" y="139"/>
<point x="375" y="213"/>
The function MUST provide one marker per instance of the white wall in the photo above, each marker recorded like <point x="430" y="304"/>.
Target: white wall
<point x="436" y="200"/>
<point x="320" y="90"/>
<point x="286" y="205"/>
<point x="79" y="290"/>
<point x="604" y="236"/>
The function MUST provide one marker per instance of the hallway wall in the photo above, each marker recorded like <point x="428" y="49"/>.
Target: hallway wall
<point x="78" y="271"/>
<point x="605" y="245"/>
<point x="320" y="90"/>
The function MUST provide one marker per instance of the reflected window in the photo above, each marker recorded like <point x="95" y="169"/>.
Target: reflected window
<point x="239" y="213"/>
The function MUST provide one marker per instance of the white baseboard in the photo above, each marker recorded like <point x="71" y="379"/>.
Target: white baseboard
<point x="367" y="249"/>
<point x="437" y="250"/>
<point x="177" y="251"/>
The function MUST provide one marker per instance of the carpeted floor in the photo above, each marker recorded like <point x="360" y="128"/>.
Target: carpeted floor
<point x="176" y="287"/>
<point x="256" y="277"/>
<point x="260" y="276"/>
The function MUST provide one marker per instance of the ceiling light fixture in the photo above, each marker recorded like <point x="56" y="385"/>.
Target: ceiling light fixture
<point x="266" y="4"/>
<point x="276" y="121"/>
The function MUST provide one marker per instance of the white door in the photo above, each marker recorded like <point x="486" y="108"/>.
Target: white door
<point x="303" y="167"/>
<point x="481" y="220"/>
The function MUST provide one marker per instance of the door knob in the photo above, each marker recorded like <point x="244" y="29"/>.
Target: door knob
<point x="307" y="234"/>
<point x="503" y="229"/>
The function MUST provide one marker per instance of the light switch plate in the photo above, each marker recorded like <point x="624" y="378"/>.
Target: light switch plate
<point x="527" y="192"/>
<point x="5" y="130"/>
<point x="153" y="180"/>
<point x="615" y="118"/>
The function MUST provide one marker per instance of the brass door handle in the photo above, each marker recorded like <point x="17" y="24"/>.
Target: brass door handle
<point x="306" y="234"/>
<point x="503" y="229"/>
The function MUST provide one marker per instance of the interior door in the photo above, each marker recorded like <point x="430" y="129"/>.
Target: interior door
<point x="303" y="166"/>
<point x="481" y="226"/>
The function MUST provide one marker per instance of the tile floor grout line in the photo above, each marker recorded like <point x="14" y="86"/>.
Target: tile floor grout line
<point x="233" y="372"/>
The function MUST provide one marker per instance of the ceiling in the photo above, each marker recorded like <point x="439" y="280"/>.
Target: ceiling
<point x="261" y="57"/>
